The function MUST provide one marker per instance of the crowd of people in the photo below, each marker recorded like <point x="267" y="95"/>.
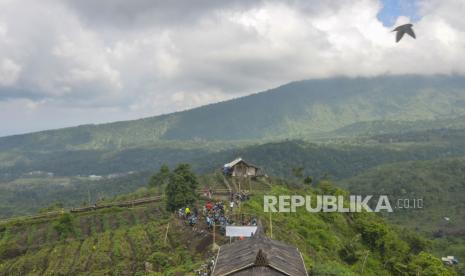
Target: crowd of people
<point x="215" y="213"/>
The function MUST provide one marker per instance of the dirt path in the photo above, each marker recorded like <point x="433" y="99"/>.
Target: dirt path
<point x="226" y="183"/>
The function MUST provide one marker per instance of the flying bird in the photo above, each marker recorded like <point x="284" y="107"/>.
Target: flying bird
<point x="402" y="29"/>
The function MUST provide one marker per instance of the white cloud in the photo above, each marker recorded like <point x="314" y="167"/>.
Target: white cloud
<point x="9" y="72"/>
<point x="153" y="57"/>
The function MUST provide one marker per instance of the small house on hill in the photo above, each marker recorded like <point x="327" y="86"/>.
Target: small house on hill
<point x="240" y="168"/>
<point x="259" y="256"/>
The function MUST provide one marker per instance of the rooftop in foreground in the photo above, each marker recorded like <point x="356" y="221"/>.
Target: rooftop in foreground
<point x="259" y="256"/>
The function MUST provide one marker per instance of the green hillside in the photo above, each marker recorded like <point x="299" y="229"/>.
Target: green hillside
<point x="127" y="241"/>
<point x="335" y="157"/>
<point x="30" y="194"/>
<point x="441" y="185"/>
<point x="110" y="242"/>
<point x="339" y="160"/>
<point x="315" y="106"/>
<point x="24" y="193"/>
<point x="373" y="128"/>
<point x="338" y="243"/>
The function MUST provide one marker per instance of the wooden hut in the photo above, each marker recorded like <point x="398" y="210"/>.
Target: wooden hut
<point x="259" y="256"/>
<point x="240" y="168"/>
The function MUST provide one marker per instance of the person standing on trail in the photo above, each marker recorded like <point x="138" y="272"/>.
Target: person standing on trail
<point x="195" y="210"/>
<point x="211" y="265"/>
<point x="231" y="205"/>
<point x="209" y="222"/>
<point x="209" y="206"/>
<point x="188" y="211"/>
<point x="192" y="220"/>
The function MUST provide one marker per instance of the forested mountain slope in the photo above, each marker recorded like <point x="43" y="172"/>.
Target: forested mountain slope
<point x="301" y="108"/>
<point x="440" y="184"/>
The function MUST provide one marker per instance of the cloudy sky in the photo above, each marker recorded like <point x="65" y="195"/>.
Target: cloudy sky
<point x="70" y="62"/>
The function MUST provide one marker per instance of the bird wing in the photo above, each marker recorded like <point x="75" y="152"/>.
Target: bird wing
<point x="410" y="32"/>
<point x="399" y="35"/>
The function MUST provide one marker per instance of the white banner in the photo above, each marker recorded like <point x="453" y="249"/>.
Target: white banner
<point x="240" y="231"/>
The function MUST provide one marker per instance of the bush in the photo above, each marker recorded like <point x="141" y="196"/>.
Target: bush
<point x="349" y="254"/>
<point x="64" y="225"/>
<point x="54" y="207"/>
<point x="11" y="250"/>
<point x="372" y="232"/>
<point x="160" y="261"/>
<point x="416" y="242"/>
<point x="427" y="265"/>
<point x="331" y="269"/>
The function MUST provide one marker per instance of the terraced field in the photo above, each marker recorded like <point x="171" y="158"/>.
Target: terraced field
<point x="108" y="242"/>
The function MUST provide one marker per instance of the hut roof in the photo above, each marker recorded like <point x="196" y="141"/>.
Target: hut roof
<point x="237" y="161"/>
<point x="259" y="255"/>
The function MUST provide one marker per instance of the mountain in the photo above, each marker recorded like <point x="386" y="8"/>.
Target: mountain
<point x="298" y="109"/>
<point x="405" y="113"/>
<point x="372" y="128"/>
<point x="315" y="106"/>
<point x="306" y="109"/>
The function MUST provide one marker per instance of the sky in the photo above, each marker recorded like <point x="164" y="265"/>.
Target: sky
<point x="392" y="9"/>
<point x="70" y="62"/>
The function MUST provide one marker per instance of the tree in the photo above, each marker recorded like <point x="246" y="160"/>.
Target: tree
<point x="308" y="180"/>
<point x="64" y="225"/>
<point x="298" y="172"/>
<point x="428" y="265"/>
<point x="161" y="178"/>
<point x="181" y="187"/>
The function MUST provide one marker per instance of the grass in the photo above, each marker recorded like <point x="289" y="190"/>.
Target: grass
<point x="337" y="243"/>
<point x="101" y="261"/>
<point x="331" y="244"/>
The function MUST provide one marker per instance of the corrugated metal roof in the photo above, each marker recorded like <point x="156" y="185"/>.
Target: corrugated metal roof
<point x="237" y="161"/>
<point x="233" y="163"/>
